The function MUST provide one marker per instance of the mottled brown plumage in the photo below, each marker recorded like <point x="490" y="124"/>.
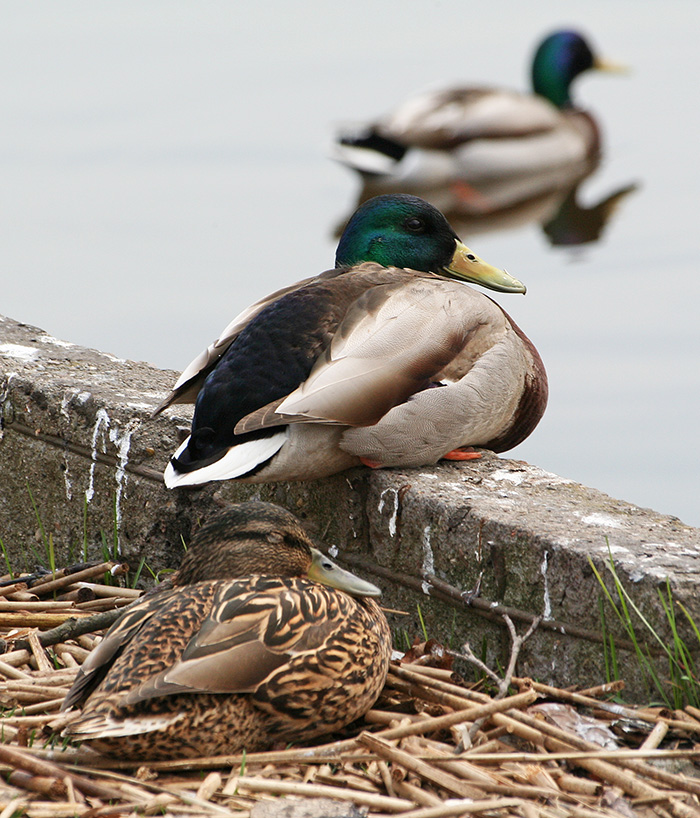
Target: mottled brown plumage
<point x="244" y="650"/>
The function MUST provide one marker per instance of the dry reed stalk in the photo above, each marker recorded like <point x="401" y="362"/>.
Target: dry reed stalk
<point x="516" y="728"/>
<point x="43" y="707"/>
<point x="574" y="755"/>
<point x="88" y="641"/>
<point x="209" y="786"/>
<point x="502" y="720"/>
<point x="677" y="782"/>
<point x="56" y="723"/>
<point x="42" y="691"/>
<point x="8" y="606"/>
<point x="615" y="709"/>
<point x="575" y="784"/>
<point x="491" y="782"/>
<point x="49" y="585"/>
<point x="58" y="677"/>
<point x="107" y="604"/>
<point x="419" y="795"/>
<point x="433" y="683"/>
<point x="429" y="693"/>
<point x="385" y="774"/>
<point x="390" y="716"/>
<point x="74" y="594"/>
<point x="49" y="576"/>
<point x="334" y="752"/>
<point x="613" y="774"/>
<point x="657" y="735"/>
<point x="693" y="711"/>
<point x="23" y="697"/>
<point x="68" y="659"/>
<point x="492" y="746"/>
<point x="81" y="654"/>
<point x="471" y="713"/>
<point x="48" y="809"/>
<point x="6" y="590"/>
<point x="588" y="812"/>
<point x="74" y="796"/>
<point x="39" y="619"/>
<point x="423" y="769"/>
<point x="465" y="807"/>
<point x="22" y="596"/>
<point x="42" y="660"/>
<point x="26" y="721"/>
<point x="15" y="658"/>
<point x="441" y="673"/>
<point x="44" y="785"/>
<point x="36" y="766"/>
<point x="112" y="591"/>
<point x="12" y="672"/>
<point x="380" y="802"/>
<point x="603" y="690"/>
<point x="7" y="732"/>
<point x="349" y="778"/>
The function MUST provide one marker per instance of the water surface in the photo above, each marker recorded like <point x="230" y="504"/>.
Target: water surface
<point x="165" y="163"/>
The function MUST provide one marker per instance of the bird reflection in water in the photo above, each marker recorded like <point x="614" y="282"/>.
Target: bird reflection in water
<point x="551" y="199"/>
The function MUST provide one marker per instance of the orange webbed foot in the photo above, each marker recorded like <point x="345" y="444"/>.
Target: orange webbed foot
<point x="463" y="453"/>
<point x="372" y="464"/>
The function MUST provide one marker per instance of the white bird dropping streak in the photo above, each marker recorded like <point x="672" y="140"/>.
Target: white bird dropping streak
<point x="102" y="420"/>
<point x="395" y="511"/>
<point x="123" y="443"/>
<point x="547" y="602"/>
<point x="428" y="559"/>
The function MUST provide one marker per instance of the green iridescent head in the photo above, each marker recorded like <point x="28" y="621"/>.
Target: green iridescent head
<point x="398" y="230"/>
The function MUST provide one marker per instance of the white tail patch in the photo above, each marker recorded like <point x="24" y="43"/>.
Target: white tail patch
<point x="237" y="461"/>
<point x="366" y="160"/>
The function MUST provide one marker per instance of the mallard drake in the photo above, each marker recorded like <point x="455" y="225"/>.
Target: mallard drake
<point x="389" y="360"/>
<point x="260" y="639"/>
<point x="479" y="133"/>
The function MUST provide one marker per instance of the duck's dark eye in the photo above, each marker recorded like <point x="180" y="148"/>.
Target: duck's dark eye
<point x="415" y="225"/>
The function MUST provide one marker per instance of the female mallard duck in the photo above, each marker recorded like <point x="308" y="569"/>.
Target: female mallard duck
<point x="479" y="133"/>
<point x="262" y="639"/>
<point x="384" y="360"/>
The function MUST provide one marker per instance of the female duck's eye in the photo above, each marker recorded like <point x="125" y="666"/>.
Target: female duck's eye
<point x="415" y="225"/>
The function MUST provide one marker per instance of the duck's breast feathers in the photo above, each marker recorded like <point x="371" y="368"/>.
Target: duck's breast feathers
<point x="532" y="401"/>
<point x="391" y="343"/>
<point x="255" y="626"/>
<point x="444" y="119"/>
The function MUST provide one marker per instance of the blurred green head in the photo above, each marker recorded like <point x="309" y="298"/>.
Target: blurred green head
<point x="559" y="59"/>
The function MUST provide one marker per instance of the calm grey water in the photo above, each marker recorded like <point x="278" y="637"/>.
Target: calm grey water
<point x="165" y="163"/>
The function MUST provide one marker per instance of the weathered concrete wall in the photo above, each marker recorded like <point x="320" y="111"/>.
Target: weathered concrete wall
<point x="76" y="432"/>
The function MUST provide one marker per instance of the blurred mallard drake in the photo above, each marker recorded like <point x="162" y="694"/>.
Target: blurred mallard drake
<point x="262" y="639"/>
<point x="480" y="133"/>
<point x="389" y="360"/>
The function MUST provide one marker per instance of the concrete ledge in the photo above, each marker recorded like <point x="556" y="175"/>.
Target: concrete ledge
<point x="76" y="432"/>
